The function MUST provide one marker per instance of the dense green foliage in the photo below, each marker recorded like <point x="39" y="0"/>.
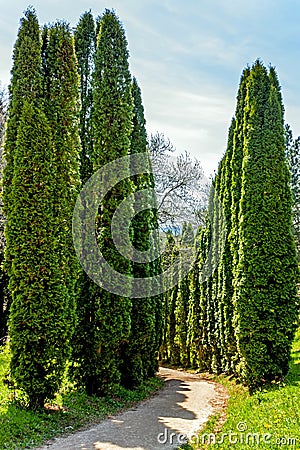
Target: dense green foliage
<point x="109" y="315"/>
<point x="85" y="44"/>
<point x="38" y="336"/>
<point x="4" y="294"/>
<point x="243" y="311"/>
<point x="182" y="305"/>
<point x="140" y="353"/>
<point x="293" y="157"/>
<point x="40" y="186"/>
<point x="61" y="99"/>
<point x="74" y="108"/>
<point x="26" y="84"/>
<point x="265" y="299"/>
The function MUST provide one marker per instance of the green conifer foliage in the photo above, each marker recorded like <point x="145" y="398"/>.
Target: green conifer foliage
<point x="108" y="314"/>
<point x="139" y="355"/>
<point x="183" y="298"/>
<point x="26" y="84"/>
<point x="265" y="298"/>
<point x="85" y="44"/>
<point x="4" y="294"/>
<point x="194" y="304"/>
<point x="61" y="93"/>
<point x="164" y="353"/>
<point x="85" y="335"/>
<point x="38" y="333"/>
<point x="169" y="349"/>
<point x="225" y="268"/>
<point x="293" y="159"/>
<point x="206" y="319"/>
<point x="41" y="183"/>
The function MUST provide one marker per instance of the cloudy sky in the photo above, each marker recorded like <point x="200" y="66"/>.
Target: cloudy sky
<point x="188" y="57"/>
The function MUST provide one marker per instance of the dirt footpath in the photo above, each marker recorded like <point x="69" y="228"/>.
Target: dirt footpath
<point x="160" y="423"/>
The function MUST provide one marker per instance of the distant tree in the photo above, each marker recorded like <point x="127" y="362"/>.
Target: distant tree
<point x="3" y="114"/>
<point x="167" y="258"/>
<point x="170" y="345"/>
<point x="183" y="297"/>
<point x="293" y="158"/>
<point x="178" y="183"/>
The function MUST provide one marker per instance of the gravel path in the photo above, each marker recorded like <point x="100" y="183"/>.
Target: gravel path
<point x="160" y="423"/>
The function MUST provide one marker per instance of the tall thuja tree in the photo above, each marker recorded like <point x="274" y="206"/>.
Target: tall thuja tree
<point x="265" y="298"/>
<point x="38" y="332"/>
<point x="214" y="313"/>
<point x="293" y="158"/>
<point x="25" y="85"/>
<point x="183" y="296"/>
<point x="139" y="353"/>
<point x="4" y="295"/>
<point x="168" y="255"/>
<point x="225" y="267"/>
<point x="61" y="94"/>
<point x="236" y="164"/>
<point x="194" y="314"/>
<point x="37" y="326"/>
<point x="174" y="350"/>
<point x="201" y="335"/>
<point x="109" y="314"/>
<point x="234" y="200"/>
<point x="85" y="44"/>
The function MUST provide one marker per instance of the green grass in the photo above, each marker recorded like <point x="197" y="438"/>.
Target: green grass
<point x="21" y="428"/>
<point x="272" y="413"/>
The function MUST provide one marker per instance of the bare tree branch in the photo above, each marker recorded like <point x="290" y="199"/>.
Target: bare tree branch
<point x="179" y="184"/>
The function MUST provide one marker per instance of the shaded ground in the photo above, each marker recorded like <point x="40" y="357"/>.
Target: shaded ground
<point x="162" y="422"/>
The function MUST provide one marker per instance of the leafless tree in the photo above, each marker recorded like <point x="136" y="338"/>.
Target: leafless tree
<point x="179" y="184"/>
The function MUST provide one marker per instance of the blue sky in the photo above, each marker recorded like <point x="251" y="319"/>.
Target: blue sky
<point x="188" y="57"/>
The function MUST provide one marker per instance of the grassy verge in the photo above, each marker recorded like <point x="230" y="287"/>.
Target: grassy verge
<point x="21" y="428"/>
<point x="269" y="419"/>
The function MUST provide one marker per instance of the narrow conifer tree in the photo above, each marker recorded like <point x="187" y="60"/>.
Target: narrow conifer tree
<point x="61" y="94"/>
<point x="85" y="44"/>
<point x="225" y="268"/>
<point x="266" y="304"/>
<point x="4" y="294"/>
<point x="164" y="353"/>
<point x="108" y="314"/>
<point x="139" y="354"/>
<point x="183" y="298"/>
<point x="26" y="84"/>
<point x="40" y="186"/>
<point x="38" y="335"/>
<point x="84" y="336"/>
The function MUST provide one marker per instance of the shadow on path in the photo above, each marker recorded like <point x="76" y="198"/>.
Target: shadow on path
<point x="162" y="422"/>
